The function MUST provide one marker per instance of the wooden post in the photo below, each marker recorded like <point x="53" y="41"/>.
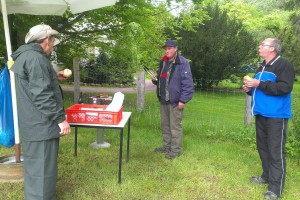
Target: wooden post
<point x="140" y="86"/>
<point x="76" y="75"/>
<point x="248" y="114"/>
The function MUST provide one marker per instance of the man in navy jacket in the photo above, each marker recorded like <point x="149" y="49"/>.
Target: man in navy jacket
<point x="175" y="88"/>
<point x="271" y="90"/>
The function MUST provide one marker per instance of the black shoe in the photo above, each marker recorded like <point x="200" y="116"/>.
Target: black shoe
<point x="270" y="195"/>
<point x="258" y="180"/>
<point x="172" y="155"/>
<point x="161" y="150"/>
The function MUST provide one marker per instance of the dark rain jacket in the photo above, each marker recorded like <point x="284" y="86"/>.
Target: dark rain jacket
<point x="181" y="85"/>
<point x="39" y="98"/>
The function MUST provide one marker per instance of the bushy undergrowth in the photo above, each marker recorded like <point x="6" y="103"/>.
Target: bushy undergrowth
<point x="293" y="145"/>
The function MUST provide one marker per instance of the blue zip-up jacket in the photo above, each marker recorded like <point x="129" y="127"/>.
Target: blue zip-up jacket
<point x="272" y="98"/>
<point x="181" y="85"/>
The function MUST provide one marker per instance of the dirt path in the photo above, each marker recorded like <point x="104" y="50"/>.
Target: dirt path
<point x="149" y="86"/>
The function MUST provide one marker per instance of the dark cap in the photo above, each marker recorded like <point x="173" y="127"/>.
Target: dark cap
<point x="170" y="43"/>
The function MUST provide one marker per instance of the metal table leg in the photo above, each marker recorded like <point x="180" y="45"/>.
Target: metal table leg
<point x="75" y="143"/>
<point x="128" y="141"/>
<point x="120" y="156"/>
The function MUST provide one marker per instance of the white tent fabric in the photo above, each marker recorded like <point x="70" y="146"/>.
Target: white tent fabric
<point x="54" y="7"/>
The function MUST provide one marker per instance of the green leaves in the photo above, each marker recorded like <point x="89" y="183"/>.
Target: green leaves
<point x="216" y="47"/>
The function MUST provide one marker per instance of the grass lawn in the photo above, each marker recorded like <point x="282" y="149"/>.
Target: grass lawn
<point x="218" y="158"/>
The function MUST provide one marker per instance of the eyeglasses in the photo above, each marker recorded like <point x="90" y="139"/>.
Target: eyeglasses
<point x="265" y="45"/>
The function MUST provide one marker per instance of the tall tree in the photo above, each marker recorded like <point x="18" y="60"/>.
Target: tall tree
<point x="217" y="48"/>
<point x="290" y="38"/>
<point x="280" y="19"/>
<point x="261" y="24"/>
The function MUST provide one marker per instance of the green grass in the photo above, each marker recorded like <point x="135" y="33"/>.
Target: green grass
<point x="218" y="158"/>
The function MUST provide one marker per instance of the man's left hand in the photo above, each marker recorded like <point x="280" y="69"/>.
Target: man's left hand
<point x="252" y="83"/>
<point x="180" y="105"/>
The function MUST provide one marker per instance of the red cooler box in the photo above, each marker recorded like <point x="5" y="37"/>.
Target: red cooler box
<point x="92" y="114"/>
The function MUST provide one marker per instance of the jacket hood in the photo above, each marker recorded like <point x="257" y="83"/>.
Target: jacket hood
<point x="26" y="47"/>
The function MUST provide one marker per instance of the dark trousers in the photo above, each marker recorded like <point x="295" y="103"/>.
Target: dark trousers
<point x="270" y="141"/>
<point x="40" y="169"/>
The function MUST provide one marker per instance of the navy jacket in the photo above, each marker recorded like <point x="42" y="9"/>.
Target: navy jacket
<point x="181" y="85"/>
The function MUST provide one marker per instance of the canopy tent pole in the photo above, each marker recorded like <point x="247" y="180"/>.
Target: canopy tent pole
<point x="12" y="80"/>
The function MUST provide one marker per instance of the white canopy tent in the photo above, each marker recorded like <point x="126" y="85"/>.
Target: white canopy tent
<point x="39" y="7"/>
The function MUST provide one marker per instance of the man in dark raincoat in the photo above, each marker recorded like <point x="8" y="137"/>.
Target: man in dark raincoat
<point x="40" y="108"/>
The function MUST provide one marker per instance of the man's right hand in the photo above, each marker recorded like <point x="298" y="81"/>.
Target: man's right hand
<point x="246" y="89"/>
<point x="153" y="78"/>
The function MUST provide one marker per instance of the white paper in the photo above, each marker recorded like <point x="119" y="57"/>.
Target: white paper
<point x="116" y="103"/>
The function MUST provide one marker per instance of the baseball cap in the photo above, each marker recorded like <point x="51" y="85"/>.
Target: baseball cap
<point x="39" y="32"/>
<point x="170" y="43"/>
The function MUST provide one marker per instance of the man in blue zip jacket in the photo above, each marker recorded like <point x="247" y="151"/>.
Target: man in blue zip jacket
<point x="271" y="90"/>
<point x="175" y="88"/>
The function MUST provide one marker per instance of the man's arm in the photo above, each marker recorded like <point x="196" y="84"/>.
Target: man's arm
<point x="282" y="86"/>
<point x="187" y="84"/>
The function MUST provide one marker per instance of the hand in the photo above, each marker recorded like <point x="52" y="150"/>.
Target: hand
<point x="246" y="89"/>
<point x="180" y="105"/>
<point x="64" y="128"/>
<point x="153" y="78"/>
<point x="60" y="75"/>
<point x="252" y="83"/>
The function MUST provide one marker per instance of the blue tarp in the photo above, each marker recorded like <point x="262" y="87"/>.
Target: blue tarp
<point x="7" y="136"/>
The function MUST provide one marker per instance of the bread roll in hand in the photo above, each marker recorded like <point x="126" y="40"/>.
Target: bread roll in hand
<point x="246" y="78"/>
<point x="67" y="73"/>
